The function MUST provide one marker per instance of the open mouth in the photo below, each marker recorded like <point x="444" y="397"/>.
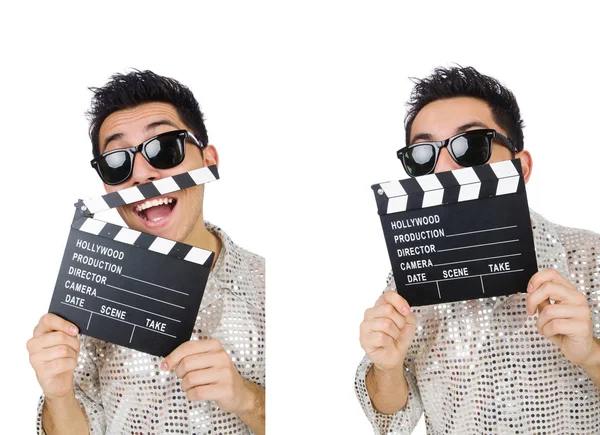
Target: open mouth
<point x="155" y="209"/>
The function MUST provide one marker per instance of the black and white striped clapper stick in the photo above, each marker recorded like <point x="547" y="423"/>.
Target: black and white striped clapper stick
<point x="458" y="235"/>
<point x="149" y="190"/>
<point x="128" y="287"/>
<point x="465" y="184"/>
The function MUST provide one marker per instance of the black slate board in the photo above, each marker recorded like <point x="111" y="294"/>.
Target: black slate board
<point x="462" y="248"/>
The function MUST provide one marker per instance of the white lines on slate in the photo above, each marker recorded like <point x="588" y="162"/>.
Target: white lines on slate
<point x="465" y="277"/>
<point x="476" y="259"/>
<point x="139" y="309"/>
<point x="118" y="320"/>
<point x="482" y="231"/>
<point x="144" y="296"/>
<point x="155" y="285"/>
<point x="476" y="246"/>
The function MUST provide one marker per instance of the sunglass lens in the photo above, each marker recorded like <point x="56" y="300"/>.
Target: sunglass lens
<point x="419" y="160"/>
<point x="165" y="152"/>
<point x="115" y="167"/>
<point x="471" y="150"/>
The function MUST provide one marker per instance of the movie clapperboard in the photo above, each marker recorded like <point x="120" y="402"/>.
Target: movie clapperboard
<point x="128" y="287"/>
<point x="458" y="235"/>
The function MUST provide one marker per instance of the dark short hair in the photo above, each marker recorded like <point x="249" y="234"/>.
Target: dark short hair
<point x="125" y="91"/>
<point x="467" y="82"/>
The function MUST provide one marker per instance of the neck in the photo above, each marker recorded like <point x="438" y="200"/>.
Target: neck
<point x="200" y="237"/>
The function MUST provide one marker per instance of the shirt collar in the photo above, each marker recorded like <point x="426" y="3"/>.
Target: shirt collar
<point x="231" y="273"/>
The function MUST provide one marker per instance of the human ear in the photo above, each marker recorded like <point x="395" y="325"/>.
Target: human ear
<point x="526" y="164"/>
<point x="211" y="156"/>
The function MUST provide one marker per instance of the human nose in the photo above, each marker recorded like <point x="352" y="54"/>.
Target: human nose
<point x="143" y="172"/>
<point x="445" y="162"/>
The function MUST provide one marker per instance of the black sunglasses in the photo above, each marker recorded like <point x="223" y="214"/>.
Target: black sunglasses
<point x="163" y="151"/>
<point x="471" y="148"/>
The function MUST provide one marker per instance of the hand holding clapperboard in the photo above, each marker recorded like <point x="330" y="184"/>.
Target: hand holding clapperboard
<point x="458" y="235"/>
<point x="127" y="287"/>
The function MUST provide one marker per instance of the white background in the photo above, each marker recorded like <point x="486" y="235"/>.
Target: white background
<point x="305" y="103"/>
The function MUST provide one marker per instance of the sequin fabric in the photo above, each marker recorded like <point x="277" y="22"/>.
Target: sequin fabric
<point x="481" y="367"/>
<point x="123" y="391"/>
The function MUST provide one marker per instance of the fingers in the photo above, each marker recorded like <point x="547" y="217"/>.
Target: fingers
<point x="541" y="307"/>
<point x="563" y="319"/>
<point x="58" y="366"/>
<point x="379" y="340"/>
<point x="189" y="348"/>
<point x="385" y="311"/>
<point x="206" y="392"/>
<point x="383" y="325"/>
<point x="51" y="322"/>
<point x="207" y="373"/>
<point x="202" y="361"/>
<point x="559" y="311"/>
<point x="50" y="339"/>
<point x="546" y="275"/>
<point x="556" y="292"/>
<point x="411" y="319"/>
<point x="386" y="317"/>
<point x="394" y="299"/>
<point x="401" y="306"/>
<point x="563" y="327"/>
<point x="198" y="378"/>
<point x="52" y="353"/>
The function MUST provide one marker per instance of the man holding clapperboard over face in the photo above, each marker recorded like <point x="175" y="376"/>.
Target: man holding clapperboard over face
<point x="146" y="128"/>
<point x="526" y="360"/>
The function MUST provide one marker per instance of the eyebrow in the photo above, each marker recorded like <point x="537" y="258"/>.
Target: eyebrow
<point x="148" y="127"/>
<point x="461" y="129"/>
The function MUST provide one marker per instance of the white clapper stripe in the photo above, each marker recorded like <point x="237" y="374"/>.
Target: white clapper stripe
<point x="470" y="184"/>
<point x="197" y="255"/>
<point x="92" y="226"/>
<point x="397" y="204"/>
<point x="429" y="182"/>
<point x="393" y="188"/>
<point x="465" y="176"/>
<point x="469" y="192"/>
<point x="202" y="175"/>
<point x="504" y="169"/>
<point x="127" y="235"/>
<point x="130" y="195"/>
<point x="166" y="185"/>
<point x="507" y="185"/>
<point x="161" y="245"/>
<point x="97" y="203"/>
<point x="433" y="197"/>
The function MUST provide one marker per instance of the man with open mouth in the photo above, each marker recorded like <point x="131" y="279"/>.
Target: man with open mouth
<point x="145" y="127"/>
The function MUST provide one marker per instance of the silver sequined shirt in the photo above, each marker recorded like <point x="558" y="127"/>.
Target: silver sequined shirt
<point x="123" y="391"/>
<point x="481" y="367"/>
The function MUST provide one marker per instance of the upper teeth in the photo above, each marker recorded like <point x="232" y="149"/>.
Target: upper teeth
<point x="153" y="203"/>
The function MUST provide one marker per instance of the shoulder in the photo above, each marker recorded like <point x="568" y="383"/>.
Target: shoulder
<point x="574" y="249"/>
<point x="251" y="257"/>
<point x="233" y="248"/>
<point x="241" y="266"/>
<point x="567" y="237"/>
